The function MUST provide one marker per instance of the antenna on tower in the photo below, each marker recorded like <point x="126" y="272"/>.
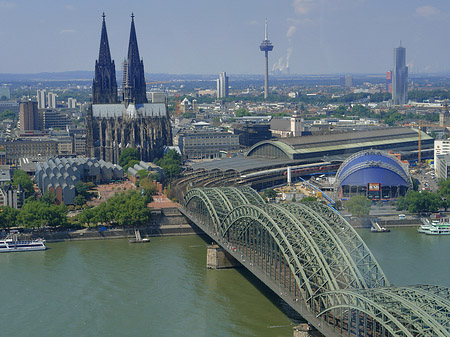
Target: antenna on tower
<point x="266" y="32"/>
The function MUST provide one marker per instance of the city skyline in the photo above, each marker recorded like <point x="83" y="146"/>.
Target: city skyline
<point x="312" y="37"/>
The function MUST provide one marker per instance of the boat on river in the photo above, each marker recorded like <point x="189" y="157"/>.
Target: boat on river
<point x="12" y="244"/>
<point x="434" y="227"/>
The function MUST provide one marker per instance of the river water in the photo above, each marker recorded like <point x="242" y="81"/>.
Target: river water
<point x="162" y="288"/>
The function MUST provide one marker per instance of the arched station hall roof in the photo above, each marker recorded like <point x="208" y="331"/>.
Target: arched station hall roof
<point x="372" y="166"/>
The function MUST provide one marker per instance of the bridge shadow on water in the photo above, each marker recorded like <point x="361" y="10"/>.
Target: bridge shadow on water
<point x="273" y="297"/>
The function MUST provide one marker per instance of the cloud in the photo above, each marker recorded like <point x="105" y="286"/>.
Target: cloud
<point x="426" y="11"/>
<point x="69" y="7"/>
<point x="303" y="7"/>
<point x="67" y="31"/>
<point x="291" y="31"/>
<point x="7" y="4"/>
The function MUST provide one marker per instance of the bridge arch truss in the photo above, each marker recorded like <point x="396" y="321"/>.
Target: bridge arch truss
<point x="311" y="253"/>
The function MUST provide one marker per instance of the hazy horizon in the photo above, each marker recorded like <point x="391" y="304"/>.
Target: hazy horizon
<point x="313" y="37"/>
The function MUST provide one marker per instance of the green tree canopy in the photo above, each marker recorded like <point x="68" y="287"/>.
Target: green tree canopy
<point x="38" y="213"/>
<point x="8" y="216"/>
<point x="270" y="193"/>
<point x="420" y="202"/>
<point x="128" y="154"/>
<point x="359" y="205"/>
<point x="21" y="178"/>
<point x="171" y="164"/>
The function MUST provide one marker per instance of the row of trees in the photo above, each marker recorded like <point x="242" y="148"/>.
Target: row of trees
<point x="35" y="213"/>
<point x="124" y="209"/>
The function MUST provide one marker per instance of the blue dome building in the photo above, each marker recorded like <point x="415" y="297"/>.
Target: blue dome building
<point x="372" y="173"/>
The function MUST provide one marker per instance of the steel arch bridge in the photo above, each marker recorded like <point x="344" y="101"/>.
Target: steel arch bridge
<point x="310" y="255"/>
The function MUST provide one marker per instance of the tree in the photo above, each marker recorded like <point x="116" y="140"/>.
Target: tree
<point x="128" y="154"/>
<point x="359" y="206"/>
<point x="49" y="197"/>
<point x="270" y="193"/>
<point x="131" y="163"/>
<point x="241" y="112"/>
<point x="21" y="178"/>
<point x="171" y="164"/>
<point x="306" y="199"/>
<point x="8" y="216"/>
<point x="79" y="200"/>
<point x="82" y="189"/>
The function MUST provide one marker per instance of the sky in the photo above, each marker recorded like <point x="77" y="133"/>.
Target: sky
<point x="211" y="36"/>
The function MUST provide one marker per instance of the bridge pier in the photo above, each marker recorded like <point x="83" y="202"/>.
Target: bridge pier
<point x="306" y="330"/>
<point x="218" y="258"/>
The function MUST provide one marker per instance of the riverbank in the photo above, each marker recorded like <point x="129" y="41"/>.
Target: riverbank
<point x="165" y="222"/>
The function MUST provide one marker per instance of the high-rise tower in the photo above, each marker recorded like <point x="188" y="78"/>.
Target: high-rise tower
<point x="134" y="88"/>
<point x="266" y="46"/>
<point x="400" y="77"/>
<point x="222" y="85"/>
<point x="104" y="87"/>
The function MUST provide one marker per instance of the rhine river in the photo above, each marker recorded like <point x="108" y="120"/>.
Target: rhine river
<point x="162" y="288"/>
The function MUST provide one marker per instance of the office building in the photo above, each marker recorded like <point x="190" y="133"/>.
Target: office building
<point x="51" y="100"/>
<point x="222" y="85"/>
<point x="41" y="96"/>
<point x="71" y="103"/>
<point x="28" y="115"/>
<point x="400" y="77"/>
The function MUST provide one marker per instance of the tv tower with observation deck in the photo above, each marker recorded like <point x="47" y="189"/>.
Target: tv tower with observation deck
<point x="266" y="46"/>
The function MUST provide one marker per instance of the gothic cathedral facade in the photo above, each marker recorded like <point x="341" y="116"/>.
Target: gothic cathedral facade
<point x="114" y="123"/>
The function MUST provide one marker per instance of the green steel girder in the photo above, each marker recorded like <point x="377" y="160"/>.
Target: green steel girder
<point x="369" y="268"/>
<point x="331" y="266"/>
<point x="347" y="300"/>
<point x="436" y="306"/>
<point x="257" y="215"/>
<point x="199" y="194"/>
<point x="300" y="251"/>
<point x="345" y="270"/>
<point x="252" y="196"/>
<point x="412" y="316"/>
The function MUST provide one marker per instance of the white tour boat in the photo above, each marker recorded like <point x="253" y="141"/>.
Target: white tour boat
<point x="12" y="244"/>
<point x="434" y="227"/>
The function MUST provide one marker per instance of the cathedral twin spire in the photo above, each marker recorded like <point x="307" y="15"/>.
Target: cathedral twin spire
<point x="104" y="89"/>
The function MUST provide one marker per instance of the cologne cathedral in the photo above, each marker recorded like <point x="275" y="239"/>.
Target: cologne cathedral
<point x="115" y="123"/>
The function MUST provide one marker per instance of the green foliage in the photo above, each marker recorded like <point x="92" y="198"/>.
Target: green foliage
<point x="7" y="114"/>
<point x="142" y="173"/>
<point x="8" y="217"/>
<point x="419" y="202"/>
<point x="241" y="112"/>
<point x="171" y="164"/>
<point x="131" y="163"/>
<point x="125" y="209"/>
<point x="270" y="193"/>
<point x="38" y="213"/>
<point x="361" y="111"/>
<point x="359" y="206"/>
<point x="82" y="189"/>
<point x="49" y="197"/>
<point x="79" y="200"/>
<point x="21" y="178"/>
<point x="306" y="199"/>
<point x="127" y="155"/>
<point x="149" y="188"/>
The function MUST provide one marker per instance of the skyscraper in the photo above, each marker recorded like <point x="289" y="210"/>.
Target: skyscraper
<point x="41" y="96"/>
<point x="266" y="46"/>
<point x="113" y="125"/>
<point x="51" y="100"/>
<point x="400" y="77"/>
<point x="222" y="85"/>
<point x="28" y="115"/>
